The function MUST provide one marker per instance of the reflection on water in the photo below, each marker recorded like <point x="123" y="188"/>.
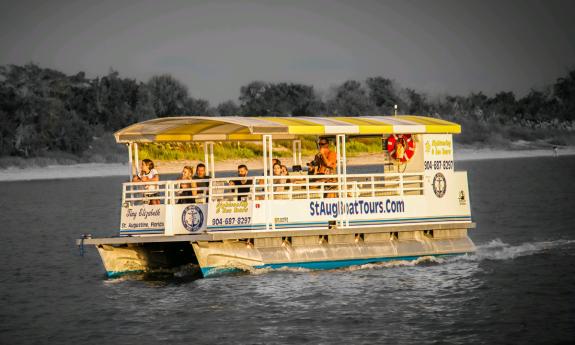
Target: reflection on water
<point x="517" y="288"/>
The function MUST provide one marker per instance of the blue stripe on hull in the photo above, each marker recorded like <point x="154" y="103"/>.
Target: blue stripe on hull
<point x="313" y="265"/>
<point x="320" y="265"/>
<point x="352" y="222"/>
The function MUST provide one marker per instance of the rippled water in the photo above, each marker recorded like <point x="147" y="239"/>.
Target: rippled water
<point x="518" y="288"/>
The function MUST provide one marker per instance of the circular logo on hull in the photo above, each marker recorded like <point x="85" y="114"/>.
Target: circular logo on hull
<point x="192" y="218"/>
<point x="439" y="185"/>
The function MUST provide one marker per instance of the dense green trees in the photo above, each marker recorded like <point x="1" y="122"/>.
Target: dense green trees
<point x="37" y="114"/>
<point x="564" y="92"/>
<point x="260" y="98"/>
<point x="43" y="110"/>
<point x="169" y="96"/>
<point x="228" y="108"/>
<point x="349" y="99"/>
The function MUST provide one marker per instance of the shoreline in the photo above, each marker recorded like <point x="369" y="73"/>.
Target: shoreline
<point x="88" y="170"/>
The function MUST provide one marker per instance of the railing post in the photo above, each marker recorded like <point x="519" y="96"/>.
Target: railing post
<point x="210" y="192"/>
<point x="421" y="186"/>
<point x="166" y="191"/>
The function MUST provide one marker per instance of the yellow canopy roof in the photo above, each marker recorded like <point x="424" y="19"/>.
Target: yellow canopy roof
<point x="234" y="128"/>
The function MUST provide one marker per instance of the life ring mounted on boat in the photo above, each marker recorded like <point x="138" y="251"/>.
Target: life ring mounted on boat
<point x="401" y="147"/>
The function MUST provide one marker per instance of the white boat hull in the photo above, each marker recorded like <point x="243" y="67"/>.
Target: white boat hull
<point x="326" y="249"/>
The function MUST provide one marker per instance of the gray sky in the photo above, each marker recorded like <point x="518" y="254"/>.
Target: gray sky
<point x="215" y="47"/>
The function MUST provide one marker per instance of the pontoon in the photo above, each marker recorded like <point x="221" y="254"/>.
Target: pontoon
<point x="416" y="205"/>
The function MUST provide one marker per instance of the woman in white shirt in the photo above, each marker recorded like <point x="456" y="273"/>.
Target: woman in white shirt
<point x="148" y="174"/>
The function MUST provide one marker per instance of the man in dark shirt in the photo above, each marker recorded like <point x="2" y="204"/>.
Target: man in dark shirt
<point x="243" y="192"/>
<point x="201" y="175"/>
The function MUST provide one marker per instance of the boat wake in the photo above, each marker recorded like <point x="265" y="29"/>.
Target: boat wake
<point x="421" y="261"/>
<point x="429" y="260"/>
<point x="493" y="250"/>
<point x="498" y="250"/>
<point x="265" y="270"/>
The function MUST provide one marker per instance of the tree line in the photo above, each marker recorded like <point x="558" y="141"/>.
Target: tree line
<point x="44" y="110"/>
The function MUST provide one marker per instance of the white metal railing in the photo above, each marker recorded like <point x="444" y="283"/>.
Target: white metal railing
<point x="289" y="187"/>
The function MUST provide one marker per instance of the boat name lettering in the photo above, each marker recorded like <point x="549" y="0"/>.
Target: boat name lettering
<point x="334" y="209"/>
<point x="130" y="213"/>
<point x="232" y="207"/>
<point x="143" y="225"/>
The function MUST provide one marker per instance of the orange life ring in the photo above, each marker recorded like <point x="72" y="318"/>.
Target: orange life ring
<point x="401" y="147"/>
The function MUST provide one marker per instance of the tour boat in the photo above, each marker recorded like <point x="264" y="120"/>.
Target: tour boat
<point x="415" y="204"/>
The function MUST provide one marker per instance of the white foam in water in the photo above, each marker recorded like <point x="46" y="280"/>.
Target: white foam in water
<point x="493" y="250"/>
<point x="498" y="250"/>
<point x="375" y="265"/>
<point x="258" y="271"/>
<point x="398" y="263"/>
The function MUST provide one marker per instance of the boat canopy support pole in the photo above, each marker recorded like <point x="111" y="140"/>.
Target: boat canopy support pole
<point x="133" y="160"/>
<point x="268" y="177"/>
<point x="212" y="163"/>
<point x="130" y="161"/>
<point x="209" y="158"/>
<point x="137" y="158"/>
<point x="342" y="177"/>
<point x="297" y="152"/>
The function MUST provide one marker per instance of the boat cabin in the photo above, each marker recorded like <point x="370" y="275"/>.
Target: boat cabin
<point x="417" y="182"/>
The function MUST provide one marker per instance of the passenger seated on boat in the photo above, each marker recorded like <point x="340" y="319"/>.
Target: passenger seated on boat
<point x="201" y="185"/>
<point x="274" y="162"/>
<point x="285" y="172"/>
<point x="186" y="176"/>
<point x="243" y="192"/>
<point x="277" y="171"/>
<point x="148" y="174"/>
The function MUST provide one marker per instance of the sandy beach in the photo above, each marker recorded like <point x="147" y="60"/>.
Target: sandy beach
<point x="168" y="167"/>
